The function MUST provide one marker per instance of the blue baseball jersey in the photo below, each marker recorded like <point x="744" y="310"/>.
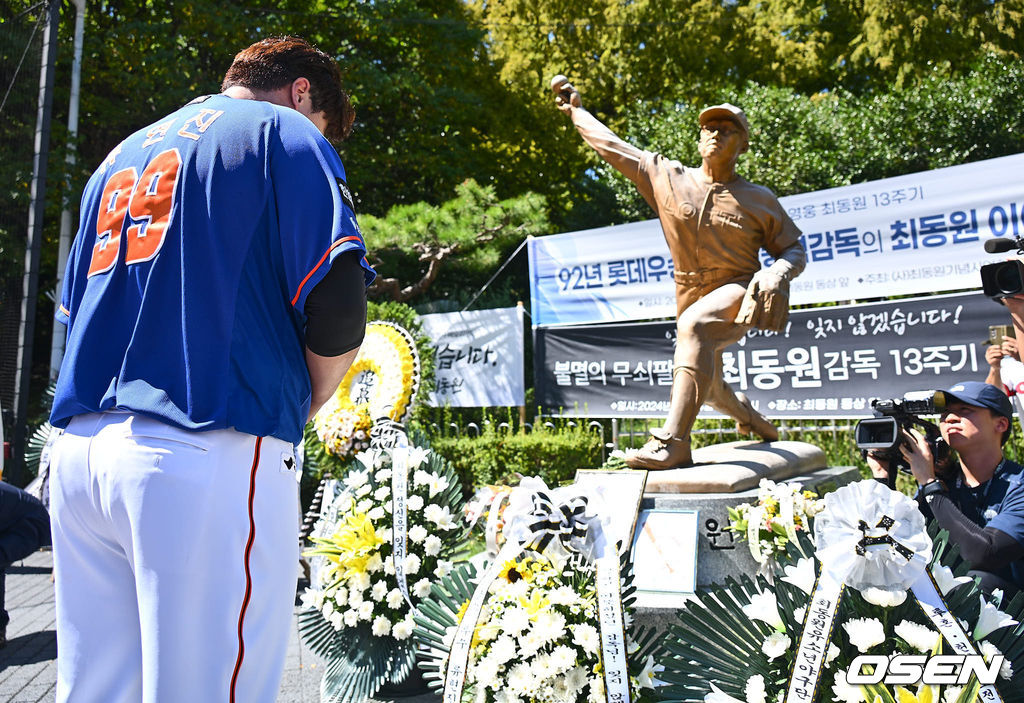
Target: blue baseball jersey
<point x="200" y="237"/>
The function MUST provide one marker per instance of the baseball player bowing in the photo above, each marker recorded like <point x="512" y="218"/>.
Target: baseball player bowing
<point x="214" y="297"/>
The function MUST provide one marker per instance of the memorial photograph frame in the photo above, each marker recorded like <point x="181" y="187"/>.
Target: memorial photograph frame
<point x="665" y="545"/>
<point x="623" y="482"/>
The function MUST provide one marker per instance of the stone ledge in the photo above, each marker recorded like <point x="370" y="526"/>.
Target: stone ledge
<point x="738" y="466"/>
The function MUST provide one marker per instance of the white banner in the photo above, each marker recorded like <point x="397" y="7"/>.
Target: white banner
<point x="478" y="357"/>
<point x="911" y="234"/>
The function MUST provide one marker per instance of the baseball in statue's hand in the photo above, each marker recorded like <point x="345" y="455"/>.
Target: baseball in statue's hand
<point x="566" y="96"/>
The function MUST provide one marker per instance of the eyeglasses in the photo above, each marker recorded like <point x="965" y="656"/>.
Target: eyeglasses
<point x="723" y="129"/>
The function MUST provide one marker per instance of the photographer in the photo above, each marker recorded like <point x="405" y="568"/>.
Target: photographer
<point x="980" y="502"/>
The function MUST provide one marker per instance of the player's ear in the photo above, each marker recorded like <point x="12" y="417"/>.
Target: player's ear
<point x="300" y="92"/>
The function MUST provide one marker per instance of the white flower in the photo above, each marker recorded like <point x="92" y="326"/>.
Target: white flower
<point x="920" y="637"/>
<point x="596" y="690"/>
<point x="328" y="609"/>
<point x="530" y="642"/>
<point x="833" y="652"/>
<point x="864" y="633"/>
<point x="801" y="575"/>
<point x="444" y="568"/>
<point x="412" y="564"/>
<point x="417" y="533"/>
<point x="379" y="590"/>
<point x="415" y="502"/>
<point x="763" y="606"/>
<point x="337" y="621"/>
<point x="990" y="619"/>
<point x="943" y="576"/>
<point x="385" y="534"/>
<point x="884" y="597"/>
<point x="717" y="695"/>
<point x="575" y="679"/>
<point x="842" y="691"/>
<point x="432" y="546"/>
<point x="382" y="493"/>
<point x="360" y="581"/>
<point x="382" y="475"/>
<point x="381" y="626"/>
<point x="485" y="673"/>
<point x="550" y="625"/>
<point x="420" y="478"/>
<point x="755" y="690"/>
<point x="561" y="659"/>
<point x="361" y="492"/>
<point x="503" y="649"/>
<point x="402" y="630"/>
<point x="355" y="479"/>
<point x="376" y="514"/>
<point x="373" y="564"/>
<point x="989" y="651"/>
<point x="355" y="598"/>
<point x="351" y="617"/>
<point x="515" y="620"/>
<point x="951" y="693"/>
<point x="417" y="455"/>
<point x="586" y="636"/>
<point x="389" y="565"/>
<point x="646" y="676"/>
<point x="422" y="588"/>
<point x="436" y="484"/>
<point x="775" y="645"/>
<point x="521" y="679"/>
<point x="365" y="610"/>
<point x="395" y="598"/>
<point x="505" y="695"/>
<point x="364" y="506"/>
<point x="563" y="595"/>
<point x="439" y="515"/>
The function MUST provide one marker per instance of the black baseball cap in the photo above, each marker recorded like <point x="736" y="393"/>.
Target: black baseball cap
<point x="982" y="395"/>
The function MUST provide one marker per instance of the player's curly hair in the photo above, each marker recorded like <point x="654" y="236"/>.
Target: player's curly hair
<point x="276" y="62"/>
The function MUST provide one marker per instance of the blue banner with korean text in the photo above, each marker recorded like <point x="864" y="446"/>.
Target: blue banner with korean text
<point x="911" y="234"/>
<point x="829" y="361"/>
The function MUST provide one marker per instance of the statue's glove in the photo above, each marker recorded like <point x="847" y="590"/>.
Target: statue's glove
<point x="766" y="303"/>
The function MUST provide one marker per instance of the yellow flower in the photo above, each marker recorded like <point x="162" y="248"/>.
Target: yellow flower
<point x="810" y="495"/>
<point x="351" y="545"/>
<point x="925" y="694"/>
<point x="535" y="604"/>
<point x="462" y="611"/>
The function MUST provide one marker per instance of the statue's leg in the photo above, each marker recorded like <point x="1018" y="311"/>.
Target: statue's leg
<point x="736" y="405"/>
<point x="703" y="327"/>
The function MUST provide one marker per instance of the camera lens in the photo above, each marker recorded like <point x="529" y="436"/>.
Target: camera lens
<point x="1008" y="280"/>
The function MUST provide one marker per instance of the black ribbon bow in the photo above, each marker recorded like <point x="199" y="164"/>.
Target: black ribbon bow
<point x="886" y="523"/>
<point x="564" y="521"/>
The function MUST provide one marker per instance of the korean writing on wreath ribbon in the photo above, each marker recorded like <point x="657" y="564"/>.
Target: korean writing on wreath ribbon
<point x="546" y="523"/>
<point x="893" y="554"/>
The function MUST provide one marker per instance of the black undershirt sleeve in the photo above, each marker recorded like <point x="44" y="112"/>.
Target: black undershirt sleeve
<point x="985" y="548"/>
<point x="336" y="308"/>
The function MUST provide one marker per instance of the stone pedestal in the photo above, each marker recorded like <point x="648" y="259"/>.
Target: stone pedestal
<point x="719" y="553"/>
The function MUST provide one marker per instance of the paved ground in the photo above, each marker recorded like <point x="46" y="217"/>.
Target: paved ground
<point x="28" y="668"/>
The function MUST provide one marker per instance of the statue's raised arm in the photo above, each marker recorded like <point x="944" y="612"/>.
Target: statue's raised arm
<point x="622" y="155"/>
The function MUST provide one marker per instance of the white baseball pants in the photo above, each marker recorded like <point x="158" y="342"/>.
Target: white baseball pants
<point x="175" y="557"/>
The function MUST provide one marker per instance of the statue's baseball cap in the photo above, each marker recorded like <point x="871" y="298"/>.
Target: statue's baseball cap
<point x="725" y="111"/>
<point x="982" y="395"/>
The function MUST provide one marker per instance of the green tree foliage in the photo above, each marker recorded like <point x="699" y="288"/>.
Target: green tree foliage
<point x="467" y="238"/>
<point x="800" y="144"/>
